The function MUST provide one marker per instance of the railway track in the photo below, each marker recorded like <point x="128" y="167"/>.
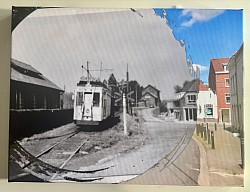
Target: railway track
<point x="65" y="154"/>
<point x="54" y="153"/>
<point x="47" y="171"/>
<point x="65" y="162"/>
<point x="42" y="170"/>
<point x="50" y="148"/>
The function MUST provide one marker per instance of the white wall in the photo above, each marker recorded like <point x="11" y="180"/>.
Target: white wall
<point x="204" y="98"/>
<point x="236" y="89"/>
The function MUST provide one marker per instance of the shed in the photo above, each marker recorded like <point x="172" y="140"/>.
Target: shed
<point x="29" y="89"/>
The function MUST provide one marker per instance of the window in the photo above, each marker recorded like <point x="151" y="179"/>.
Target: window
<point x="227" y="82"/>
<point x="45" y="102"/>
<point x="34" y="101"/>
<point x="210" y="111"/>
<point x="231" y="85"/>
<point x="225" y="66"/>
<point x="96" y="99"/>
<point x="227" y="95"/>
<point x="209" y="108"/>
<point x="104" y="107"/>
<point x="20" y="101"/>
<point x="79" y="98"/>
<point x="191" y="99"/>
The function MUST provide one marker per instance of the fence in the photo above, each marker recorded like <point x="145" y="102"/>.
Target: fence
<point x="24" y="123"/>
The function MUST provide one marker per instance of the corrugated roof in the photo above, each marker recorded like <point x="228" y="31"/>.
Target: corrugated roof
<point x="24" y="66"/>
<point x="217" y="64"/>
<point x="18" y="76"/>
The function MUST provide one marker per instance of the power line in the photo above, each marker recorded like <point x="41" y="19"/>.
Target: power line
<point x="82" y="22"/>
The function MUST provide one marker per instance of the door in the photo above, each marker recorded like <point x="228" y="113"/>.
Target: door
<point x="225" y="115"/>
<point x="88" y="102"/>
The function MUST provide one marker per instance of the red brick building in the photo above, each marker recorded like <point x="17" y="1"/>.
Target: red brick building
<point x="219" y="84"/>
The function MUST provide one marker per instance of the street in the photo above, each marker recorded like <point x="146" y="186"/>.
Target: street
<point x="167" y="139"/>
<point x="168" y="156"/>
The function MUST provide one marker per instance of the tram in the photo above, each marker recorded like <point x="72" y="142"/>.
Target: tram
<point x="92" y="102"/>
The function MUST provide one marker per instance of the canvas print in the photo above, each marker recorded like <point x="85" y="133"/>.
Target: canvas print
<point x="131" y="96"/>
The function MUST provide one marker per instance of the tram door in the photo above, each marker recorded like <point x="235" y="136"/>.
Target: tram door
<point x="88" y="101"/>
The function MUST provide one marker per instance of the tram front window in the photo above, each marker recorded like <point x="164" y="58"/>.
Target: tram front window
<point x="79" y="98"/>
<point x="96" y="100"/>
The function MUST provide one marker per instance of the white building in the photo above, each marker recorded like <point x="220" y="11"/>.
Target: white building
<point x="236" y="89"/>
<point x="206" y="104"/>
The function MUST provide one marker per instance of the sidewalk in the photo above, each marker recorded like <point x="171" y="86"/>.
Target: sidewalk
<point x="223" y="162"/>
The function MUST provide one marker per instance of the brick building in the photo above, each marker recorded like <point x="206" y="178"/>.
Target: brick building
<point x="151" y="96"/>
<point x="219" y="84"/>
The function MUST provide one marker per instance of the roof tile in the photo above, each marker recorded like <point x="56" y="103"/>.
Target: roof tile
<point x="203" y="87"/>
<point x="217" y="64"/>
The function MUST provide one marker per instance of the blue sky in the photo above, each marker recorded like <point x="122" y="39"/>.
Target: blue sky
<point x="57" y="42"/>
<point x="207" y="33"/>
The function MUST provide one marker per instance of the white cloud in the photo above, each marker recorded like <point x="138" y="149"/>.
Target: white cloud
<point x="199" y="15"/>
<point x="201" y="67"/>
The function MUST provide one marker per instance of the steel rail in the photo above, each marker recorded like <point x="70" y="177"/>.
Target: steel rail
<point x="50" y="148"/>
<point x="70" y="157"/>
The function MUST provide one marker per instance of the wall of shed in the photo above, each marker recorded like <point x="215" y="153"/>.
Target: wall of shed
<point x="29" y="96"/>
<point x="24" y="123"/>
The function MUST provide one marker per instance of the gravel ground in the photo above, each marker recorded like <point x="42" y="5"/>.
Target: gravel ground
<point x="100" y="145"/>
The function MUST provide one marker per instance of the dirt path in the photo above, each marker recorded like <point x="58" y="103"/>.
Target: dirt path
<point x="100" y="145"/>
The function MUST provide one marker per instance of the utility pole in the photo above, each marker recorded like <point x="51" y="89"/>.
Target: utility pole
<point x="127" y="74"/>
<point x="82" y="70"/>
<point x="127" y="78"/>
<point x="136" y="95"/>
<point x="124" y="114"/>
<point x="101" y="71"/>
<point x="88" y="70"/>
